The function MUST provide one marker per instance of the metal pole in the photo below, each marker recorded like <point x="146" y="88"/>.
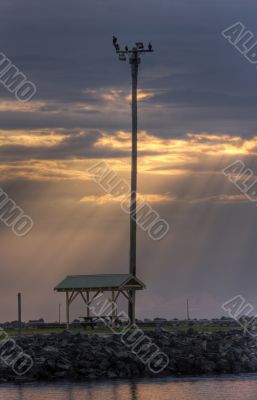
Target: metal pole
<point x="188" y="316"/>
<point x="59" y="313"/>
<point x="134" y="61"/>
<point x="19" y="312"/>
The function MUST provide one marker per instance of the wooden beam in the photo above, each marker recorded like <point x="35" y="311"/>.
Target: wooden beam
<point x="88" y="309"/>
<point x="83" y="297"/>
<point x="130" y="296"/>
<point x="127" y="295"/>
<point x="73" y="296"/>
<point x="92" y="299"/>
<point x="67" y="311"/>
<point x="113" y="309"/>
<point x="117" y="295"/>
<point x="95" y="295"/>
<point x="133" y="307"/>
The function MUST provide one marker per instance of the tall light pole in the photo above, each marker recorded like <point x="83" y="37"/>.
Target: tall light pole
<point x="134" y="60"/>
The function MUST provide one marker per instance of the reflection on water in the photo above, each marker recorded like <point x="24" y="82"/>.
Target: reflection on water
<point x="236" y="388"/>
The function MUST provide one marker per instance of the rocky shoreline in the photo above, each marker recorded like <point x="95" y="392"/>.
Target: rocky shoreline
<point x="82" y="357"/>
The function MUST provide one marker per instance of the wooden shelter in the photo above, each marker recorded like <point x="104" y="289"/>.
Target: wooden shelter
<point x="90" y="286"/>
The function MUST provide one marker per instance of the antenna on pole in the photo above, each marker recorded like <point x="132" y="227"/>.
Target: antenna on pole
<point x="133" y="55"/>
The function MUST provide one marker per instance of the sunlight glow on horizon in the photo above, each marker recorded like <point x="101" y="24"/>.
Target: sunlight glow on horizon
<point x="157" y="156"/>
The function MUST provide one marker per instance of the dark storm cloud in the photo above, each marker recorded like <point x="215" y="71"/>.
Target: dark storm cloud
<point x="65" y="49"/>
<point x="73" y="147"/>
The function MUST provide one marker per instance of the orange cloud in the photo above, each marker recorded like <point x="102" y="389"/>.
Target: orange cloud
<point x="121" y="96"/>
<point x="30" y="139"/>
<point x="157" y="156"/>
<point x="108" y="198"/>
<point x="191" y="143"/>
<point x="175" y="156"/>
<point x="45" y="170"/>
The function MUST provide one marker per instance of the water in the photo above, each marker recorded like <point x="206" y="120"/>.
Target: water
<point x="229" y="388"/>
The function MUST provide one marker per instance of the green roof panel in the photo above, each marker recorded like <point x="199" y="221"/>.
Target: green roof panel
<point x="99" y="281"/>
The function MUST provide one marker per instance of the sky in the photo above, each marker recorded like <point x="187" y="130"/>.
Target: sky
<point x="197" y="115"/>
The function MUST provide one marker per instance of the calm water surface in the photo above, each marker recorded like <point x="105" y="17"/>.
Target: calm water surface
<point x="243" y="388"/>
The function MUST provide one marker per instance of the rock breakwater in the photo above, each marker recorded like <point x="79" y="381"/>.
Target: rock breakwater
<point x="84" y="356"/>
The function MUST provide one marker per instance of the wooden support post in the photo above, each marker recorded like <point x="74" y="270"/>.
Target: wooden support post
<point x="88" y="302"/>
<point x="67" y="311"/>
<point x="133" y="307"/>
<point x="113" y="309"/>
<point x="130" y="296"/>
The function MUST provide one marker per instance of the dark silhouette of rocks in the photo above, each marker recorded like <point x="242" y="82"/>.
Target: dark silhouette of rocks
<point x="84" y="357"/>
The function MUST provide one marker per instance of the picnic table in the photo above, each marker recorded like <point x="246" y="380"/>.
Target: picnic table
<point x="92" y="322"/>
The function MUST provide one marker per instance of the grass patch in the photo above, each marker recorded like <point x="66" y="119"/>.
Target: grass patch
<point x="105" y="330"/>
